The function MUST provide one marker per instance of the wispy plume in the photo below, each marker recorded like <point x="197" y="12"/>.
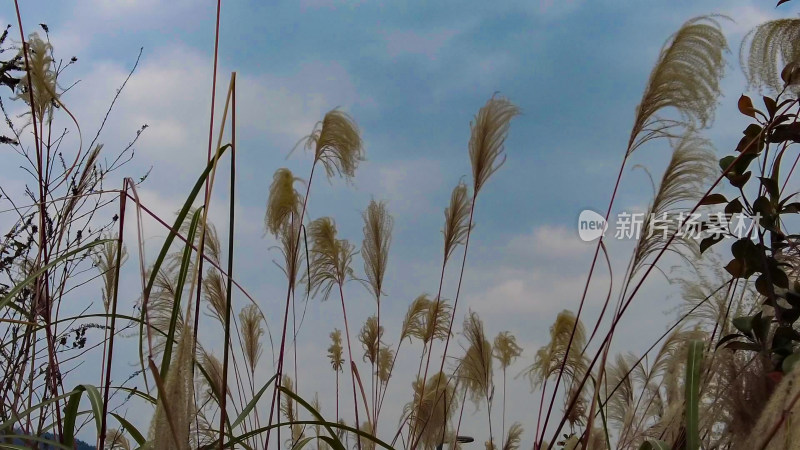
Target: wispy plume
<point x="685" y="77"/>
<point x="252" y="332"/>
<point x="456" y="219"/>
<point x="378" y="224"/>
<point x="487" y="142"/>
<point x="284" y="201"/>
<point x="767" y="49"/>
<point x="330" y="258"/>
<point x="336" y="143"/>
<point x="335" y="354"/>
<point x="691" y="166"/>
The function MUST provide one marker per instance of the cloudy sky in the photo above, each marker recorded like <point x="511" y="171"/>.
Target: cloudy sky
<point x="412" y="74"/>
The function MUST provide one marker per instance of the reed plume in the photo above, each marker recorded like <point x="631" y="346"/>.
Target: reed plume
<point x="329" y="267"/>
<point x="378" y="224"/>
<point x="431" y="409"/>
<point x="289" y="236"/>
<point x="284" y="202"/>
<point x="767" y="49"/>
<point x="215" y="294"/>
<point x="691" y="166"/>
<point x="336" y="143"/>
<point x="414" y="323"/>
<point x="385" y="362"/>
<point x="337" y="360"/>
<point x="288" y="408"/>
<point x="514" y="437"/>
<point x="106" y="261"/>
<point x="213" y="370"/>
<point x="548" y="357"/>
<point x="40" y="75"/>
<point x="505" y="350"/>
<point x="211" y="248"/>
<point x="456" y="220"/>
<point x="330" y="258"/>
<point x="160" y="306"/>
<point x="335" y="350"/>
<point x="117" y="441"/>
<point x="252" y="332"/>
<point x="370" y="338"/>
<point x="685" y="77"/>
<point x="171" y="423"/>
<point x="475" y="371"/>
<point x="487" y="142"/>
<point x="436" y="321"/>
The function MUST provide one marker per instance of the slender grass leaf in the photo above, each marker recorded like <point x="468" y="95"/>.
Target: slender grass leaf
<point x="302" y="443"/>
<point x="252" y="403"/>
<point x="71" y="411"/>
<point x="130" y="428"/>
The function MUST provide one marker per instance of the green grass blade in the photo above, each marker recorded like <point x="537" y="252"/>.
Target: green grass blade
<point x="70" y="415"/>
<point x="308" y="407"/>
<point x="71" y="411"/>
<point x="133" y="391"/>
<point x="302" y="443"/>
<point x="694" y="359"/>
<point x="130" y="428"/>
<point x="252" y="403"/>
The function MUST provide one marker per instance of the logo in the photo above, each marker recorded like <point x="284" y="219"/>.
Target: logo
<point x="591" y="225"/>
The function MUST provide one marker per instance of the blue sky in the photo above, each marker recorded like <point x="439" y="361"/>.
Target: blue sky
<point x="412" y="75"/>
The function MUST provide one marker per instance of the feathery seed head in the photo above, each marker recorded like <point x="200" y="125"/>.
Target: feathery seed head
<point x="335" y="350"/>
<point x="768" y="48"/>
<point x="41" y="75"/>
<point x="330" y="258"/>
<point x="414" y="322"/>
<point x="337" y="144"/>
<point x="487" y="141"/>
<point x="378" y="225"/>
<point x="506" y="349"/>
<point x="430" y="414"/>
<point x="370" y="338"/>
<point x="385" y="360"/>
<point x="456" y="219"/>
<point x="252" y="331"/>
<point x="284" y="201"/>
<point x="685" y="77"/>
<point x="475" y="370"/>
<point x="436" y="323"/>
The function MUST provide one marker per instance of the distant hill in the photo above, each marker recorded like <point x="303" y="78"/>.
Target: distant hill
<point x="79" y="444"/>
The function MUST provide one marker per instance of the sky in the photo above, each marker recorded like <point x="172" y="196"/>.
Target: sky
<point x="412" y="75"/>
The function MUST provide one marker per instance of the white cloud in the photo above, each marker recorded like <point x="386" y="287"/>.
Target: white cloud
<point x="170" y="93"/>
<point x="417" y="42"/>
<point x="551" y="241"/>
